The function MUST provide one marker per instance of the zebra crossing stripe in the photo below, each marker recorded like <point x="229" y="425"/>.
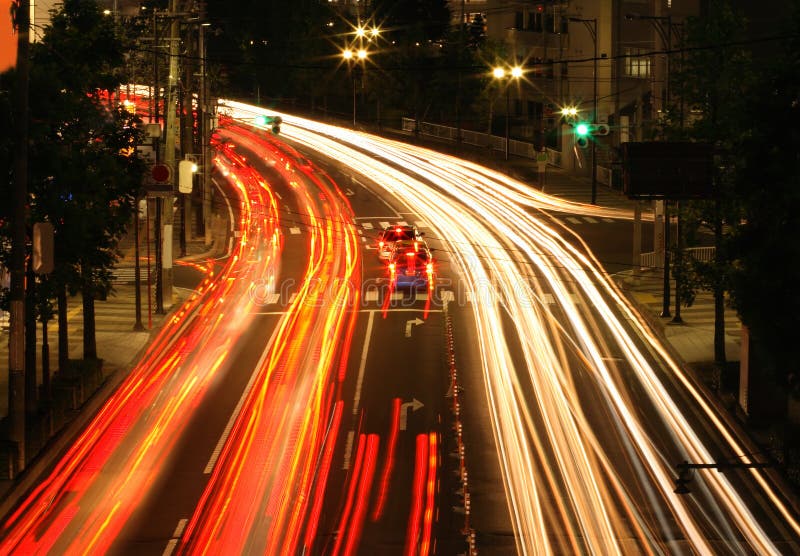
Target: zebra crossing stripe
<point x="608" y="220"/>
<point x="421" y="224"/>
<point x="573" y="220"/>
<point x="294" y="230"/>
<point x="590" y="220"/>
<point x="367" y="225"/>
<point x="371" y="295"/>
<point x="383" y="224"/>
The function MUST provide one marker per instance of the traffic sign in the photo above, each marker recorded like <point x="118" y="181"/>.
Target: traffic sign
<point x="160" y="172"/>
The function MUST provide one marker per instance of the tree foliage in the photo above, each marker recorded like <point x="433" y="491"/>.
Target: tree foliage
<point x="417" y="62"/>
<point x="711" y="83"/>
<point x="752" y="117"/>
<point x="764" y="247"/>
<point x="84" y="172"/>
<point x="273" y="47"/>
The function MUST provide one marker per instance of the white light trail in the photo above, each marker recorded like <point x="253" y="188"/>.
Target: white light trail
<point x="573" y="484"/>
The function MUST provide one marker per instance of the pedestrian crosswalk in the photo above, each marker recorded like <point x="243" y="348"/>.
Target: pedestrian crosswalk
<point x="647" y="288"/>
<point x="586" y="219"/>
<point x="369" y="225"/>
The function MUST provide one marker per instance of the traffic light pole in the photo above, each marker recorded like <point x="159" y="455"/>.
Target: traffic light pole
<point x="594" y="118"/>
<point x="591" y="26"/>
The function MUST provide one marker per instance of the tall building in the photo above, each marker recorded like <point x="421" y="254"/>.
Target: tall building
<point x="614" y="54"/>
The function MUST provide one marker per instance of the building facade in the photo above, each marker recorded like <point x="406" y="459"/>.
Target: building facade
<point x="614" y="55"/>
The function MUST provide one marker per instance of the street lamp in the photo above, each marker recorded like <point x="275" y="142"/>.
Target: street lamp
<point x="351" y="56"/>
<point x="591" y="26"/>
<point x="500" y="73"/>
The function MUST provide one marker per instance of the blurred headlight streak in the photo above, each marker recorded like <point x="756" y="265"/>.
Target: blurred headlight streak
<point x="574" y="484"/>
<point x="110" y="468"/>
<point x="265" y="493"/>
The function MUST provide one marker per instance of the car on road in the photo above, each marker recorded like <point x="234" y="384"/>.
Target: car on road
<point x="392" y="234"/>
<point x="411" y="264"/>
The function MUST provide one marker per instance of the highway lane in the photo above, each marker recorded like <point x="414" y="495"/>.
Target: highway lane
<point x="318" y="405"/>
<point x="120" y="487"/>
<point x="394" y="391"/>
<point x="589" y="413"/>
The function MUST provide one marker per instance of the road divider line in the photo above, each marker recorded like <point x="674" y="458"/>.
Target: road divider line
<point x="348" y="448"/>
<point x="212" y="461"/>
<point x="176" y="536"/>
<point x="363" y="364"/>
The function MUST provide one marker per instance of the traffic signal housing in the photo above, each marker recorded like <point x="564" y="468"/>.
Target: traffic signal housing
<point x="583" y="130"/>
<point x="274" y="122"/>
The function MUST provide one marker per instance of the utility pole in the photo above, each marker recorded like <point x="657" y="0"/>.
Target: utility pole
<point x="205" y="126"/>
<point x="187" y="136"/>
<point x="16" y="344"/>
<point x="169" y="155"/>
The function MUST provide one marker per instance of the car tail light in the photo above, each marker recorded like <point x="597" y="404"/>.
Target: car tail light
<point x="429" y="268"/>
<point x="391" y="268"/>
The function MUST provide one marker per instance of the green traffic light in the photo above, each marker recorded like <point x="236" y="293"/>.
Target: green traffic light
<point x="582" y="129"/>
<point x="260" y="120"/>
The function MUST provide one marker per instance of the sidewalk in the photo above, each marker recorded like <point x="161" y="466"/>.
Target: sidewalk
<point x="119" y="344"/>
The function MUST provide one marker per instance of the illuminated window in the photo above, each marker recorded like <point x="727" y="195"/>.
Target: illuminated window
<point x="637" y="63"/>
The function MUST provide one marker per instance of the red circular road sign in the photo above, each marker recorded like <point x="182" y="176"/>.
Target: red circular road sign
<point x="160" y="172"/>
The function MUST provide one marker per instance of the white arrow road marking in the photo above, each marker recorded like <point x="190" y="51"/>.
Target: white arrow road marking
<point x="410" y="323"/>
<point x="349" y="192"/>
<point x="415" y="404"/>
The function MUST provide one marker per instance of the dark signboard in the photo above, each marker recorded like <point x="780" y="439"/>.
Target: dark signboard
<point x="667" y="170"/>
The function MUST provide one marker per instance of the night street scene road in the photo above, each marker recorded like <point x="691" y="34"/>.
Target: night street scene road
<point x="400" y="277"/>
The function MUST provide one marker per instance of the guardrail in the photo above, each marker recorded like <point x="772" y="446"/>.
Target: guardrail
<point x="447" y="133"/>
<point x="700" y="254"/>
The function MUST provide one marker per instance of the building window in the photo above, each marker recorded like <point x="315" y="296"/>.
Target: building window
<point x="535" y="22"/>
<point x="637" y="62"/>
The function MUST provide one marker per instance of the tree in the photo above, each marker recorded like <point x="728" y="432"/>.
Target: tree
<point x="419" y="30"/>
<point x="712" y="82"/>
<point x="84" y="171"/>
<point x="764" y="248"/>
<point x="271" y="48"/>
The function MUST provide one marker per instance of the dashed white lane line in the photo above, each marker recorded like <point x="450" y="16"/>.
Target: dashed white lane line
<point x="294" y="230"/>
<point x="363" y="365"/>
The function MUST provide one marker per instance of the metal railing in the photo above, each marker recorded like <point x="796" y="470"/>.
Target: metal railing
<point x="447" y="133"/>
<point x="700" y="254"/>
